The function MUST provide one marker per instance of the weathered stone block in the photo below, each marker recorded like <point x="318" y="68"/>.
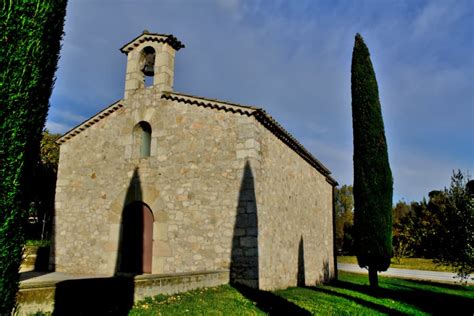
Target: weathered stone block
<point x="161" y="249"/>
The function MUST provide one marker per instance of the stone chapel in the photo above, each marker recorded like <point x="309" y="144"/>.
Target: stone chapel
<point x="161" y="182"/>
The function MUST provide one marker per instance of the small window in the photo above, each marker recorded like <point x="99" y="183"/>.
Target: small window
<point x="142" y="139"/>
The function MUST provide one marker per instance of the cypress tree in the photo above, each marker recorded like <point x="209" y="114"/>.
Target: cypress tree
<point x="373" y="183"/>
<point x="30" y="36"/>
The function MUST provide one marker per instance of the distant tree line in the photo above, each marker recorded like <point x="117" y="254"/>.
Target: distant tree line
<point x="344" y="207"/>
<point x="440" y="228"/>
<point x="41" y="197"/>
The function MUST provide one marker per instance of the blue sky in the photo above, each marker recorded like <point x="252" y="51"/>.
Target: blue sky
<point x="293" y="59"/>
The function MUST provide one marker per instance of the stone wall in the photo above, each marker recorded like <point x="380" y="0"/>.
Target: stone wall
<point x="225" y="193"/>
<point x="90" y="174"/>
<point x="191" y="182"/>
<point x="295" y="218"/>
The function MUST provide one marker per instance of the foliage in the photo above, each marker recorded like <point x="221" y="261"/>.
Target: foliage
<point x="440" y="229"/>
<point x="41" y="199"/>
<point x="402" y="231"/>
<point x="415" y="232"/>
<point x="373" y="184"/>
<point x="344" y="205"/>
<point x="400" y="211"/>
<point x="456" y="232"/>
<point x="30" y="42"/>
<point x="425" y="225"/>
<point x="349" y="295"/>
<point x="49" y="150"/>
<point x="38" y="243"/>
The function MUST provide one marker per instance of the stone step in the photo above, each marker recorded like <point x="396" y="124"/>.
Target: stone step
<point x="67" y="294"/>
<point x="35" y="257"/>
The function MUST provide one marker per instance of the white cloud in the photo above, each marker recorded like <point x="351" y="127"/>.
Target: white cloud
<point x="436" y="14"/>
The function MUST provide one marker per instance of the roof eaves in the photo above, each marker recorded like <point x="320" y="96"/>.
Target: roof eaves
<point x="279" y="131"/>
<point x="210" y="103"/>
<point x="89" y="122"/>
<point x="154" y="37"/>
<point x="331" y="181"/>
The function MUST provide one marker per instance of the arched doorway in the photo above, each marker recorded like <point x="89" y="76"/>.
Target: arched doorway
<point x="136" y="251"/>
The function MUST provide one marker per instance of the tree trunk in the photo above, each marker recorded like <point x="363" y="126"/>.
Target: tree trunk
<point x="373" y="278"/>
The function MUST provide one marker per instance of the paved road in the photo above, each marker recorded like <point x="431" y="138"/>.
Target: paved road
<point x="445" y="277"/>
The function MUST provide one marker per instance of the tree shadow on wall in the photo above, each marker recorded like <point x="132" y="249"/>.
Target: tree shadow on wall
<point x="244" y="253"/>
<point x="114" y="295"/>
<point x="244" y="272"/>
<point x="326" y="271"/>
<point x="129" y="256"/>
<point x="301" y="278"/>
<point x="301" y="275"/>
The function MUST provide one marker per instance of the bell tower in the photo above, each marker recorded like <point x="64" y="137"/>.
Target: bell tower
<point x="150" y="55"/>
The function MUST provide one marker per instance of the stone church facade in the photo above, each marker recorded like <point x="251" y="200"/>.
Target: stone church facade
<point x="162" y="182"/>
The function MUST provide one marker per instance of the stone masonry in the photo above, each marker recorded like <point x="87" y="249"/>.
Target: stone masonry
<point x="228" y="187"/>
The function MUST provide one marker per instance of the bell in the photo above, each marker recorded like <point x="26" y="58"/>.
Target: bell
<point x="148" y="68"/>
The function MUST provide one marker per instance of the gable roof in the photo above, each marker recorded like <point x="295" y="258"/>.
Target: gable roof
<point x="260" y="115"/>
<point x="263" y="118"/>
<point x="152" y="37"/>
<point x="89" y="122"/>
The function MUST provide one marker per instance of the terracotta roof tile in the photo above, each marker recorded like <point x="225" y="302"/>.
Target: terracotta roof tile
<point x="153" y="37"/>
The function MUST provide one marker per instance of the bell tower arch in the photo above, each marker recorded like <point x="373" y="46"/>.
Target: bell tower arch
<point x="150" y="55"/>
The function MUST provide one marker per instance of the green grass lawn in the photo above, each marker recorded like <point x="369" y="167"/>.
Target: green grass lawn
<point x="405" y="263"/>
<point x="348" y="296"/>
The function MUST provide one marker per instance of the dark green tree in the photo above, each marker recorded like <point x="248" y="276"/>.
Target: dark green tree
<point x="455" y="236"/>
<point x="373" y="183"/>
<point x="344" y="204"/>
<point x="31" y="31"/>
